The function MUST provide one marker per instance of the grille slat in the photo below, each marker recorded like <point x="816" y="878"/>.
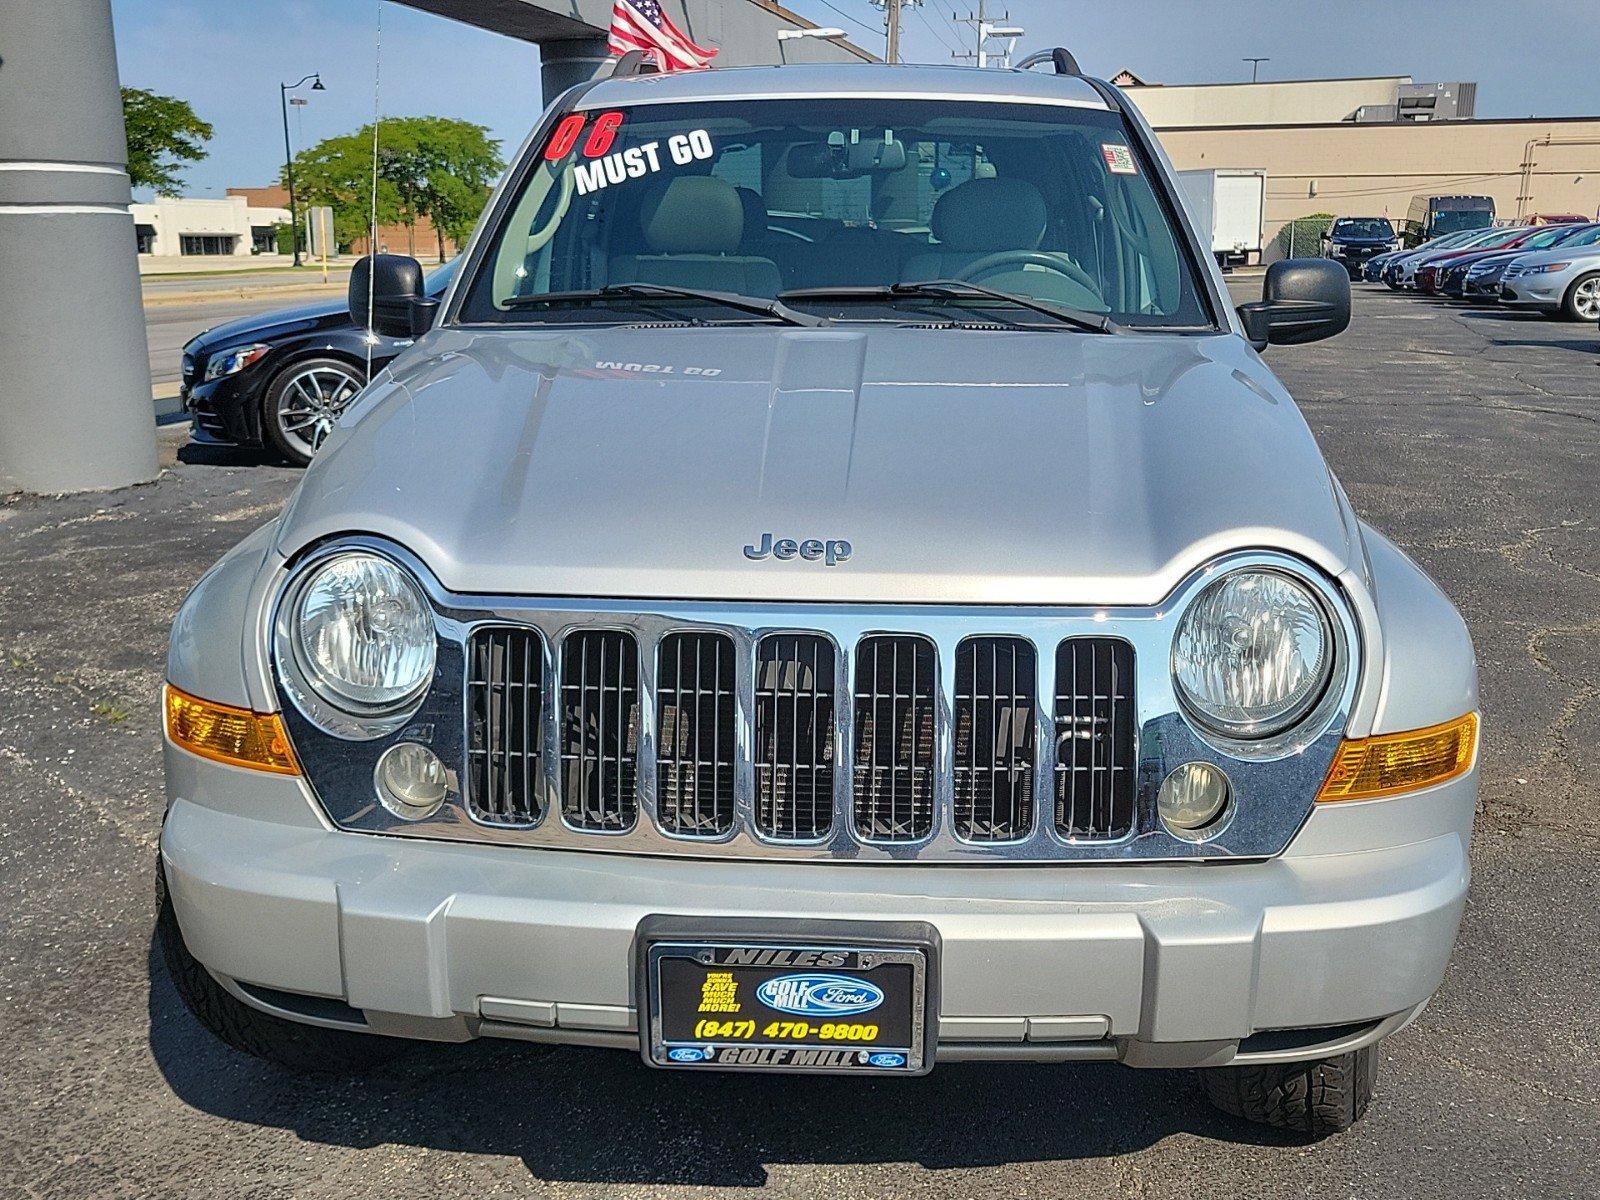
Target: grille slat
<point x="995" y="704"/>
<point x="1094" y="783"/>
<point x="599" y="730"/>
<point x="894" y="718"/>
<point x="695" y="713"/>
<point x="994" y="759"/>
<point x="794" y="743"/>
<point x="504" y="749"/>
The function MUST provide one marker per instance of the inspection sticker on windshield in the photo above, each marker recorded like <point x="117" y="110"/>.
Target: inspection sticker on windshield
<point x="1119" y="159"/>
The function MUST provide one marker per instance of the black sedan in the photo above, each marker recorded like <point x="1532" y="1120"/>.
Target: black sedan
<point x="281" y="379"/>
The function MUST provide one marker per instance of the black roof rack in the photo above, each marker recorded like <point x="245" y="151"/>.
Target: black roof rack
<point x="634" y="63"/>
<point x="1060" y="57"/>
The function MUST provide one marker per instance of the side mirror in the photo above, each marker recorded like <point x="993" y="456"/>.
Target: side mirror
<point x="394" y="282"/>
<point x="1302" y="300"/>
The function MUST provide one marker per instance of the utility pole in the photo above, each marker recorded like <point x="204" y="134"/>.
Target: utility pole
<point x="1255" y="67"/>
<point x="985" y="30"/>
<point x="891" y="24"/>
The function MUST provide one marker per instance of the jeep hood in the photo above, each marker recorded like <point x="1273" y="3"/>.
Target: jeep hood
<point x="1030" y="467"/>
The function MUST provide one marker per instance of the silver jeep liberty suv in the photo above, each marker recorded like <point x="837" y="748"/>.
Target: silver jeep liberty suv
<point x="833" y="587"/>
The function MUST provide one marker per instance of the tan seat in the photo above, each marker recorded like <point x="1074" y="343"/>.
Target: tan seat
<point x="976" y="219"/>
<point x="693" y="228"/>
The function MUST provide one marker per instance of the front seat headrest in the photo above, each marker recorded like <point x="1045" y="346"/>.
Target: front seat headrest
<point x="986" y="215"/>
<point x="693" y="214"/>
<point x="755" y="214"/>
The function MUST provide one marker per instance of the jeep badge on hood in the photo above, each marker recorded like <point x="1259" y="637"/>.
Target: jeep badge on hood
<point x="831" y="552"/>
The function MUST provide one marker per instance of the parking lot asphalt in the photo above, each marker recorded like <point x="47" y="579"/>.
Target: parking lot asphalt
<point x="1473" y="438"/>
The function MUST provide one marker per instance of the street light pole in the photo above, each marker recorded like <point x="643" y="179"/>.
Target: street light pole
<point x="1255" y="67"/>
<point x="288" y="155"/>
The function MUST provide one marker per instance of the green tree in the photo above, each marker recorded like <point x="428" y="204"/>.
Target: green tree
<point x="433" y="167"/>
<point x="163" y="132"/>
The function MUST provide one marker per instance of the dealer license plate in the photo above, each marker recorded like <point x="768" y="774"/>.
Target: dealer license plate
<point x="788" y="1005"/>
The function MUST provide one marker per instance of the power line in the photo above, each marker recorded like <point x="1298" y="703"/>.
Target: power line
<point x="939" y="37"/>
<point x="858" y="24"/>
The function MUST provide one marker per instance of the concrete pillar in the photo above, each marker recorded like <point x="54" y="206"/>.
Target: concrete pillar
<point x="75" y="409"/>
<point x="569" y="62"/>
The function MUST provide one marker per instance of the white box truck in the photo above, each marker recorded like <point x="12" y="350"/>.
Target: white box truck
<point x="1228" y="204"/>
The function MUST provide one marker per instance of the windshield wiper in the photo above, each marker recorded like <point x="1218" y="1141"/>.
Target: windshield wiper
<point x="956" y="289"/>
<point x="751" y="304"/>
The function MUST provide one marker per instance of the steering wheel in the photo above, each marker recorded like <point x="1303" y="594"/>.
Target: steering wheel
<point x="994" y="264"/>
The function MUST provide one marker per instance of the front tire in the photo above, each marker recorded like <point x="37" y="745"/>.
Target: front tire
<point x="303" y="402"/>
<point x="1319" y="1097"/>
<point x="306" y="1049"/>
<point x="1582" y="301"/>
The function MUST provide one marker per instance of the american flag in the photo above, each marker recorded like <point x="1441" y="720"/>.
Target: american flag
<point x="641" y="25"/>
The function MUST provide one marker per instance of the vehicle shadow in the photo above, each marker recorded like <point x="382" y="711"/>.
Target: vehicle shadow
<point x="210" y="454"/>
<point x="600" y="1116"/>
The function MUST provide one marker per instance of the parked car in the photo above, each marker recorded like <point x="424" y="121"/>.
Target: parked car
<point x="1482" y="281"/>
<point x="1564" y="281"/>
<point x="1395" y="264"/>
<point x="1446" y="273"/>
<point x="1352" y="241"/>
<point x="842" y="653"/>
<point x="281" y="379"/>
<point x="1413" y="265"/>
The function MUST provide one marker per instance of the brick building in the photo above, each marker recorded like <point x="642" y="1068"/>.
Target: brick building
<point x="419" y="241"/>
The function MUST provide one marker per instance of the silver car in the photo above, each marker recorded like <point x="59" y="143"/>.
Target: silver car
<point x="1564" y="280"/>
<point x="833" y="587"/>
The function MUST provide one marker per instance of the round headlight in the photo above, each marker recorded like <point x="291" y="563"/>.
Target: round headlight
<point x="1252" y="654"/>
<point x="362" y="634"/>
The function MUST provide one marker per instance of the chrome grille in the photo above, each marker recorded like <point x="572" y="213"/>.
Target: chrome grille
<point x="894" y="748"/>
<point x="1094" y="720"/>
<point x="794" y="750"/>
<point x="695" y="709"/>
<point x="505" y="760"/>
<point x="599" y="730"/>
<point x="995" y="735"/>
<point x="832" y="738"/>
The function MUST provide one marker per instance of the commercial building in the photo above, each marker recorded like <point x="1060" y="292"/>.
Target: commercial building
<point x="171" y="226"/>
<point x="1299" y="101"/>
<point x="419" y="241"/>
<point x="1365" y="147"/>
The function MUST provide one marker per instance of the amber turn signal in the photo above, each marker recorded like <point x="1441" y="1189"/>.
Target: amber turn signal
<point x="1367" y="768"/>
<point x="224" y="734"/>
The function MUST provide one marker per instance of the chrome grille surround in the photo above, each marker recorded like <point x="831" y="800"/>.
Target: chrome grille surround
<point x="1274" y="781"/>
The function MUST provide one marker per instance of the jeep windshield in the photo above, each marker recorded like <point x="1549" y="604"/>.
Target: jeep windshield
<point x="850" y="210"/>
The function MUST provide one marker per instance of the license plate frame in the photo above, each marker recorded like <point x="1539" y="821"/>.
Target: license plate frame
<point x="674" y="954"/>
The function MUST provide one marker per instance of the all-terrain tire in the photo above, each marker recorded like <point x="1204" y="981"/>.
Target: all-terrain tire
<point x="1320" y="1097"/>
<point x="287" y="1044"/>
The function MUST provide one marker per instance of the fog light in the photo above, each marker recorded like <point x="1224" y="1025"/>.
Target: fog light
<point x="411" y="781"/>
<point x="1193" y="800"/>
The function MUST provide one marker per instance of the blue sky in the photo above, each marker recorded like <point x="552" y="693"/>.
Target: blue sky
<point x="227" y="57"/>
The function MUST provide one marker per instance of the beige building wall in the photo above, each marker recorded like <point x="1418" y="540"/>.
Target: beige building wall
<point x="1290" y="102"/>
<point x="1374" y="170"/>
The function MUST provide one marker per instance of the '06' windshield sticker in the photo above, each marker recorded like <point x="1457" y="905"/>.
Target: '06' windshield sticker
<point x="599" y="166"/>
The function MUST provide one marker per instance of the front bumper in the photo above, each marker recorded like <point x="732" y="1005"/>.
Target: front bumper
<point x="227" y="409"/>
<point x="1535" y="291"/>
<point x="1155" y="964"/>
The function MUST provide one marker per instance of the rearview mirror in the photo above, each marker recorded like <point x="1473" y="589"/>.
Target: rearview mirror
<point x="394" y="283"/>
<point x="1302" y="300"/>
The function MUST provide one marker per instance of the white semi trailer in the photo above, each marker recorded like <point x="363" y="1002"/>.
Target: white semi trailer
<point x="1229" y="203"/>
